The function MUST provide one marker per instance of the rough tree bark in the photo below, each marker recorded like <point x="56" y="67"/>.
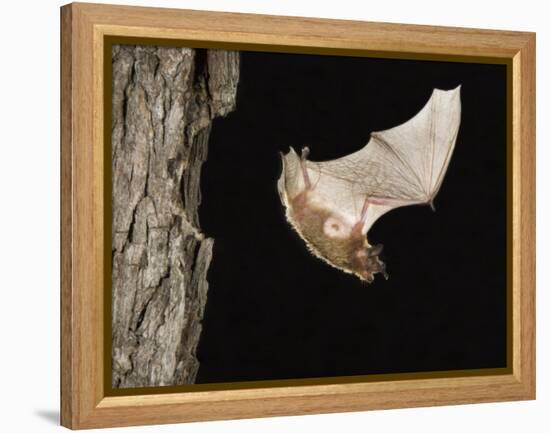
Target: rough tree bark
<point x="164" y="101"/>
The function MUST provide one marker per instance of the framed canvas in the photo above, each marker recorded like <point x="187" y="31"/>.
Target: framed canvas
<point x="265" y="215"/>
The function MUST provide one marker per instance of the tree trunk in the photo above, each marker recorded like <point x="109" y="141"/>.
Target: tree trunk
<point x="164" y="102"/>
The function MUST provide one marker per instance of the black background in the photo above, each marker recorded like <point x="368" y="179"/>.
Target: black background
<point x="276" y="312"/>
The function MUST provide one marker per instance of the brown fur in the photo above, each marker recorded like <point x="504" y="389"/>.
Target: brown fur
<point x="352" y="254"/>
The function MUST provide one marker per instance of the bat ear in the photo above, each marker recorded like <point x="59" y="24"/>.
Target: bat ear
<point x="375" y="250"/>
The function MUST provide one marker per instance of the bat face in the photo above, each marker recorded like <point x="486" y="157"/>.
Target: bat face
<point x="333" y="204"/>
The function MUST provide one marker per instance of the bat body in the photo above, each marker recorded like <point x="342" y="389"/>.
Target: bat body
<point x="333" y="204"/>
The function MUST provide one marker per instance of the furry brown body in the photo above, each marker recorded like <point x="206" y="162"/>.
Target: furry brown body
<point x="329" y="237"/>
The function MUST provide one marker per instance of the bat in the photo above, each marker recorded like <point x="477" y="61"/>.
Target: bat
<point x="333" y="204"/>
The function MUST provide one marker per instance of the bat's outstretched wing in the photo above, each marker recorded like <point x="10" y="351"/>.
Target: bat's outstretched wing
<point x="400" y="166"/>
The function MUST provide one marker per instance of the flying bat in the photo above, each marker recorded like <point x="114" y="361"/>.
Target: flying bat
<point x="333" y="204"/>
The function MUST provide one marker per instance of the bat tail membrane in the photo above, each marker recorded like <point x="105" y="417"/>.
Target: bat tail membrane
<point x="281" y="182"/>
<point x="290" y="182"/>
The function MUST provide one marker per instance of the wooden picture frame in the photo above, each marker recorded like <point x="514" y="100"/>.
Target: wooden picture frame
<point x="84" y="29"/>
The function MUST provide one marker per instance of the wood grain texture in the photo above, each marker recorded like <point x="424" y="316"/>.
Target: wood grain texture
<point x="84" y="400"/>
<point x="67" y="354"/>
<point x="303" y="32"/>
<point x="525" y="301"/>
<point x="164" y="101"/>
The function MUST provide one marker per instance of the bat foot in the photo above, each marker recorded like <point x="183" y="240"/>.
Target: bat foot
<point x="303" y="159"/>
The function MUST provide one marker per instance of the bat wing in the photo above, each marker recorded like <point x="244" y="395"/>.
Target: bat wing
<point x="401" y="166"/>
